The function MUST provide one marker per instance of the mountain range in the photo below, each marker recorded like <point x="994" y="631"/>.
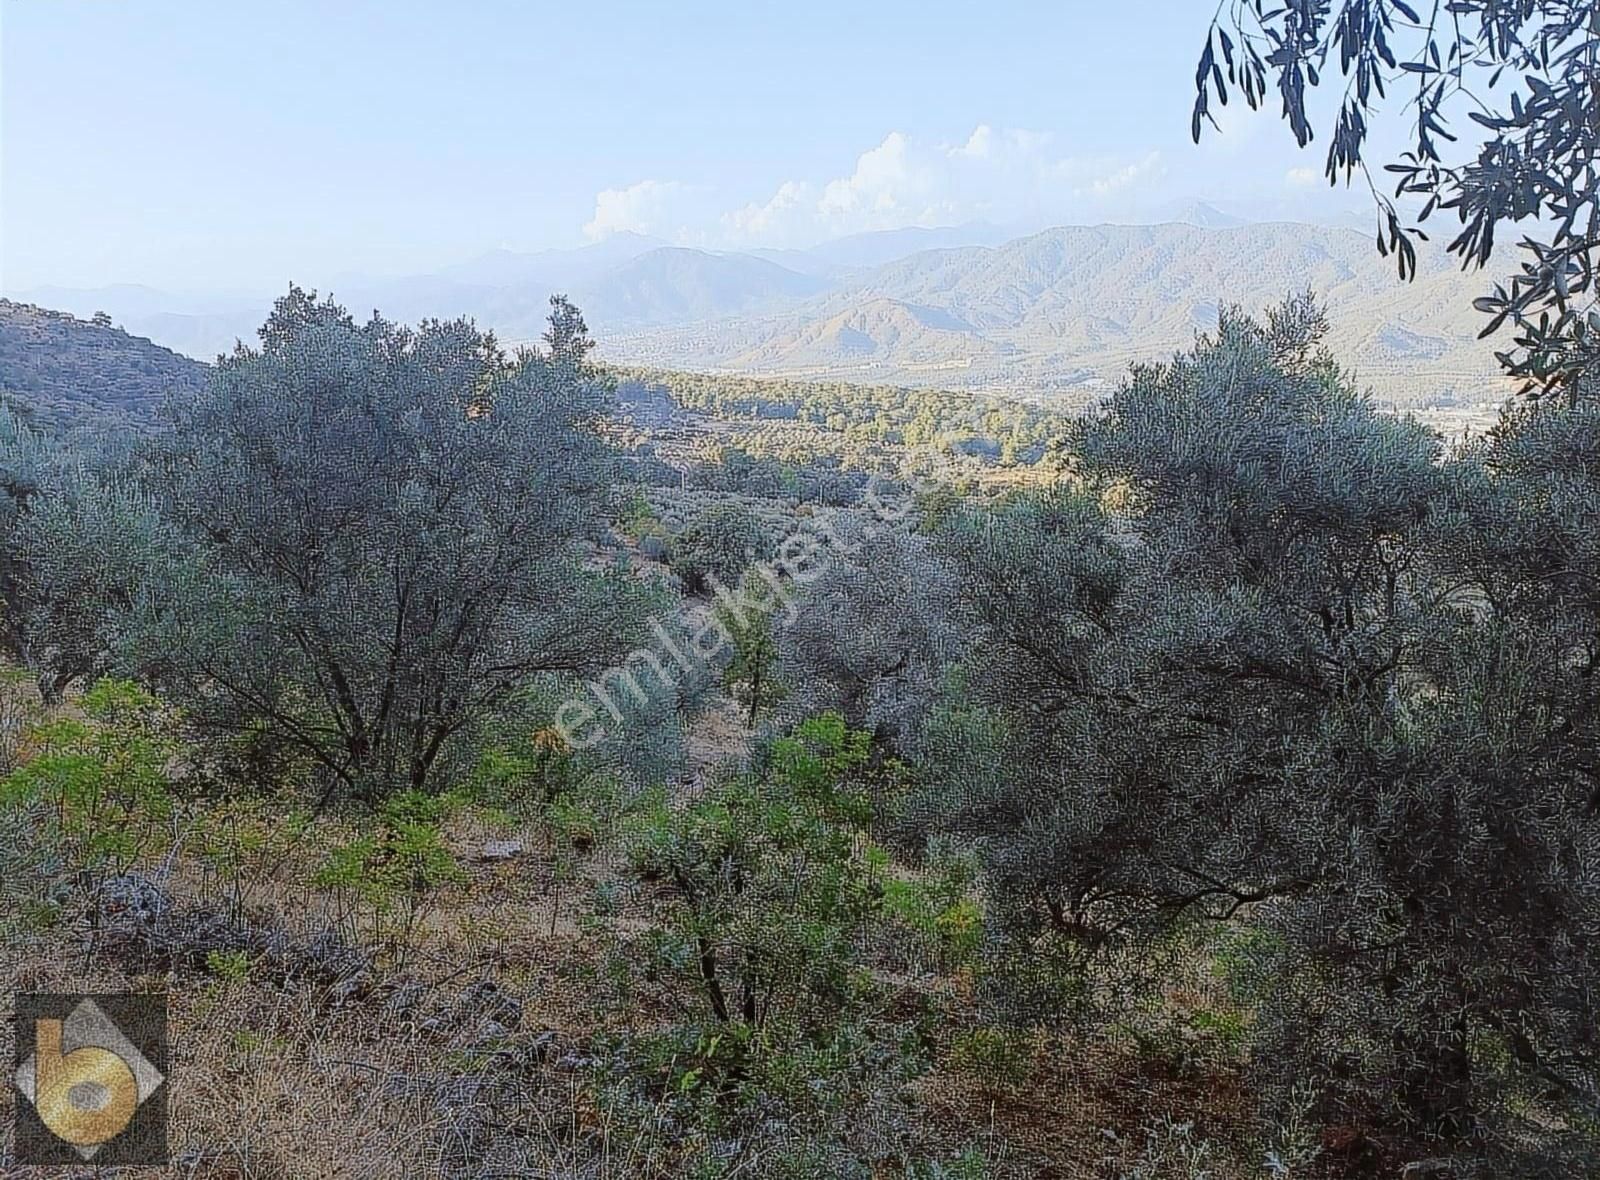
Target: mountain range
<point x="1069" y="308"/>
<point x="1060" y="311"/>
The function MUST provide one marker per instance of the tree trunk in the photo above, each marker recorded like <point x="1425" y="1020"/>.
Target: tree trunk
<point x="53" y="686"/>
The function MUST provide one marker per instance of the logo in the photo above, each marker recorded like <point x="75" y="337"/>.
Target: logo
<point x="92" y="1071"/>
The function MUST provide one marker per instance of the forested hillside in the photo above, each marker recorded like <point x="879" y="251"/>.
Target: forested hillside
<point x="431" y="720"/>
<point x="1066" y="310"/>
<point x="877" y="413"/>
<point x="58" y="369"/>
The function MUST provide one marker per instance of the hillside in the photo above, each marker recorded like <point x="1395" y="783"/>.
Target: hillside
<point x="1070" y="307"/>
<point x="898" y="333"/>
<point x="62" y="370"/>
<point x="672" y="285"/>
<point x="1060" y="312"/>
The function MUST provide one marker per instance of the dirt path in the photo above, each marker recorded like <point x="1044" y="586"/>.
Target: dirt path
<point x="718" y="732"/>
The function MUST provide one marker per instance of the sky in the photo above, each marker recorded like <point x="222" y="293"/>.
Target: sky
<point x="189" y="144"/>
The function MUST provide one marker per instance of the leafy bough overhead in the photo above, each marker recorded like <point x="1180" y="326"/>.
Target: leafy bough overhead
<point x="1535" y="161"/>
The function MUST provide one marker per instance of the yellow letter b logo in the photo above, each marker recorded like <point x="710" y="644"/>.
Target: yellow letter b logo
<point x="89" y="1089"/>
<point x="87" y="1096"/>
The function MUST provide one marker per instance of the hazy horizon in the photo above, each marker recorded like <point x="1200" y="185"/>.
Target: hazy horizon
<point x="209" y="295"/>
<point x="374" y="142"/>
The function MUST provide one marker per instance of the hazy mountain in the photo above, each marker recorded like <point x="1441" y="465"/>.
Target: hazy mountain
<point x="673" y="285"/>
<point x="508" y="268"/>
<point x="1074" y="305"/>
<point x="62" y="370"/>
<point x="626" y="281"/>
<point x="662" y="285"/>
<point x="1064" y="309"/>
<point x="1311" y="210"/>
<point x="806" y="263"/>
<point x="201" y="336"/>
<point x="906" y="335"/>
<point x="1205" y="216"/>
<point x="880" y="246"/>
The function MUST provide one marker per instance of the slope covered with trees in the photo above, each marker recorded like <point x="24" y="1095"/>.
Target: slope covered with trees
<point x="1224" y="801"/>
<point x="58" y="369"/>
<point x="1323" y="687"/>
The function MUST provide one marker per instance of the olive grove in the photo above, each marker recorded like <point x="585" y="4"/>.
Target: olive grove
<point x="1280" y="665"/>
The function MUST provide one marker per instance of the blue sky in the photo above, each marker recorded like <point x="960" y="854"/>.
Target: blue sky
<point x="215" y="145"/>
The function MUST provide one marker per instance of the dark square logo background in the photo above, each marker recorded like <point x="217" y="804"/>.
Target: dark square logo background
<point x="143" y="1020"/>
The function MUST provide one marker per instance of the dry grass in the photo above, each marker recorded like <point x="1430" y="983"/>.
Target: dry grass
<point x="282" y="1079"/>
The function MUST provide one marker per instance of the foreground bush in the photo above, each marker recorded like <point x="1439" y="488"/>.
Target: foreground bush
<point x="1326" y="686"/>
<point x="718" y="545"/>
<point x="774" y="888"/>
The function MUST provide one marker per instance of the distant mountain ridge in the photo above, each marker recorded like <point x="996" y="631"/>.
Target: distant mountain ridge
<point x="883" y="246"/>
<point x="501" y="268"/>
<point x="1061" y="310"/>
<point x="1069" y="308"/>
<point x="1206" y="216"/>
<point x="674" y="285"/>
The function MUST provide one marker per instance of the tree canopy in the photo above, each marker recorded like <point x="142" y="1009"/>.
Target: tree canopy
<point x="386" y="530"/>
<point x="1279" y="664"/>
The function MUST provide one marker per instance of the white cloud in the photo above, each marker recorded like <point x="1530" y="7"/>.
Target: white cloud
<point x="762" y="223"/>
<point x="1301" y="177"/>
<point x="882" y="184"/>
<point x="996" y="174"/>
<point x="979" y="144"/>
<point x="1127" y="177"/>
<point x="648" y="207"/>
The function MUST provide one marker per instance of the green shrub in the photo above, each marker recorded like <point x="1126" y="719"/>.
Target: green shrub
<point x="772" y="879"/>
<point x="751" y="676"/>
<point x="237" y="842"/>
<point x="103" y="779"/>
<point x="635" y="518"/>
<point x="939" y="906"/>
<point x="774" y="886"/>
<point x="383" y="881"/>
<point x="718" y="545"/>
<point x="229" y="966"/>
<point x="996" y="1058"/>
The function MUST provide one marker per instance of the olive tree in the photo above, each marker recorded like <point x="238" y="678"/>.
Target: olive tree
<point x="872" y="634"/>
<point x="718" y="545"/>
<point x="1312" y="682"/>
<point x="388" y="529"/>
<point x="79" y="536"/>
